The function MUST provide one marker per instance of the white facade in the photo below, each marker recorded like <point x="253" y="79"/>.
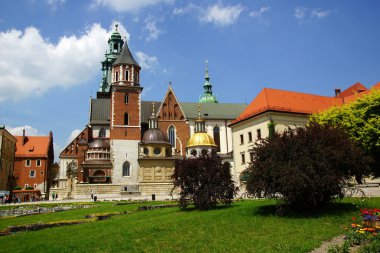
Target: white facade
<point x="96" y="130"/>
<point x="245" y="134"/>
<point x="124" y="151"/>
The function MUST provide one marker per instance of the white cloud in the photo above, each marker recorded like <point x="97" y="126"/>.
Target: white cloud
<point x="73" y="135"/>
<point x="259" y="13"/>
<point x="151" y="29"/>
<point x="146" y="61"/>
<point x="222" y="15"/>
<point x="300" y="13"/>
<point x="316" y="13"/>
<point x="18" y="131"/>
<point x="128" y="5"/>
<point x="55" y="3"/>
<point x="184" y="10"/>
<point x="30" y="64"/>
<point x="57" y="150"/>
<point x="307" y="15"/>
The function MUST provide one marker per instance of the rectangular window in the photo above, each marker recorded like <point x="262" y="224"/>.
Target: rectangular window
<point x="258" y="134"/>
<point x="38" y="162"/>
<point x="28" y="162"/>
<point x="32" y="173"/>
<point x="127" y="75"/>
<point x="251" y="156"/>
<point x="243" y="158"/>
<point x="241" y="139"/>
<point x="249" y="137"/>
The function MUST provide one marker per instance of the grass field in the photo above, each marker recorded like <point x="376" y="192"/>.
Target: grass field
<point x="247" y="226"/>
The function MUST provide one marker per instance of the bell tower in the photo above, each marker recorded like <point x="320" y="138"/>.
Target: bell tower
<point x="115" y="45"/>
<point x="125" y="97"/>
<point x="125" y="117"/>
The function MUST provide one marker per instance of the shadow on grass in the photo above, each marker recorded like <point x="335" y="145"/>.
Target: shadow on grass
<point x="218" y="207"/>
<point x="332" y="209"/>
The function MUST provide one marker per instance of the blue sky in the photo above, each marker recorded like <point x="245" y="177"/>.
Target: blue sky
<point x="50" y="52"/>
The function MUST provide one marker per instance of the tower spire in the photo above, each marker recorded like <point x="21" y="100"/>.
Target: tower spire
<point x="207" y="96"/>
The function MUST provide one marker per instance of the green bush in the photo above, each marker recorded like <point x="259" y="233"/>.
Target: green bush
<point x="17" y="187"/>
<point x="204" y="181"/>
<point x="29" y="188"/>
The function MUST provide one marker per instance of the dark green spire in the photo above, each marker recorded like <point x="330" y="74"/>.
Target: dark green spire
<point x="115" y="45"/>
<point x="207" y="96"/>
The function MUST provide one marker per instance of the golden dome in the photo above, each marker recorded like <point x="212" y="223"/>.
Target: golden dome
<point x="200" y="139"/>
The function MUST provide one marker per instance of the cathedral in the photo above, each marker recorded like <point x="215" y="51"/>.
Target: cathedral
<point x="129" y="146"/>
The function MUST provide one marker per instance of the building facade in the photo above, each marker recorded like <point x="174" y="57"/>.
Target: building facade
<point x="275" y="110"/>
<point x="34" y="158"/>
<point x="7" y="157"/>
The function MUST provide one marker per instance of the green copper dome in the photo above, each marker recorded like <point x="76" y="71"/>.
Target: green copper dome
<point x="207" y="96"/>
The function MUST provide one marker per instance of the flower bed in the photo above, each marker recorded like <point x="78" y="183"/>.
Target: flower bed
<point x="364" y="230"/>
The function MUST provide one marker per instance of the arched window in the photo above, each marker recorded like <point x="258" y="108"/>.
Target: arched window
<point x="126" y="119"/>
<point x="216" y="131"/>
<point x="171" y="134"/>
<point x="117" y="76"/>
<point x="102" y="132"/>
<point x="126" y="169"/>
<point x="126" y="98"/>
<point x="126" y="75"/>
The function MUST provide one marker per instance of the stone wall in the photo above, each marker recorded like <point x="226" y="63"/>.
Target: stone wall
<point x="157" y="188"/>
<point x="100" y="190"/>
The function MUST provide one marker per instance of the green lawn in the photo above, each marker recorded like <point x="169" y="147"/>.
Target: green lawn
<point x="247" y="226"/>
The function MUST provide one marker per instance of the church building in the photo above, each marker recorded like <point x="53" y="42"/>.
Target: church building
<point x="129" y="148"/>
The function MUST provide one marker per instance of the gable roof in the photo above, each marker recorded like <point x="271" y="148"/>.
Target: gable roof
<point x="170" y="91"/>
<point x="35" y="146"/>
<point x="352" y="90"/>
<point x="359" y="93"/>
<point x="287" y="101"/>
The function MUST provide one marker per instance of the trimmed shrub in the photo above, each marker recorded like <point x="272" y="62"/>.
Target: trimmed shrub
<point x="204" y="182"/>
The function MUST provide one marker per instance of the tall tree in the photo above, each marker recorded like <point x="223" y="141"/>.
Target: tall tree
<point x="361" y="119"/>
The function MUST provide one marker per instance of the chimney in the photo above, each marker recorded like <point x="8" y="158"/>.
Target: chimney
<point x="337" y="92"/>
<point x="23" y="137"/>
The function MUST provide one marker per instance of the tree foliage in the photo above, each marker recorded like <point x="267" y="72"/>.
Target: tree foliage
<point x="204" y="181"/>
<point x="361" y="119"/>
<point x="306" y="167"/>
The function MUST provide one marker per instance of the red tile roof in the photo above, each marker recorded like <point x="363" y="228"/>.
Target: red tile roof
<point x="287" y="101"/>
<point x="297" y="102"/>
<point x="35" y="146"/>
<point x="352" y="90"/>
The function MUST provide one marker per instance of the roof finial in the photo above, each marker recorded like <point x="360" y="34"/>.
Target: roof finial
<point x="153" y="108"/>
<point x="170" y="83"/>
<point x="206" y="76"/>
<point x="116" y="26"/>
<point x="199" y="111"/>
